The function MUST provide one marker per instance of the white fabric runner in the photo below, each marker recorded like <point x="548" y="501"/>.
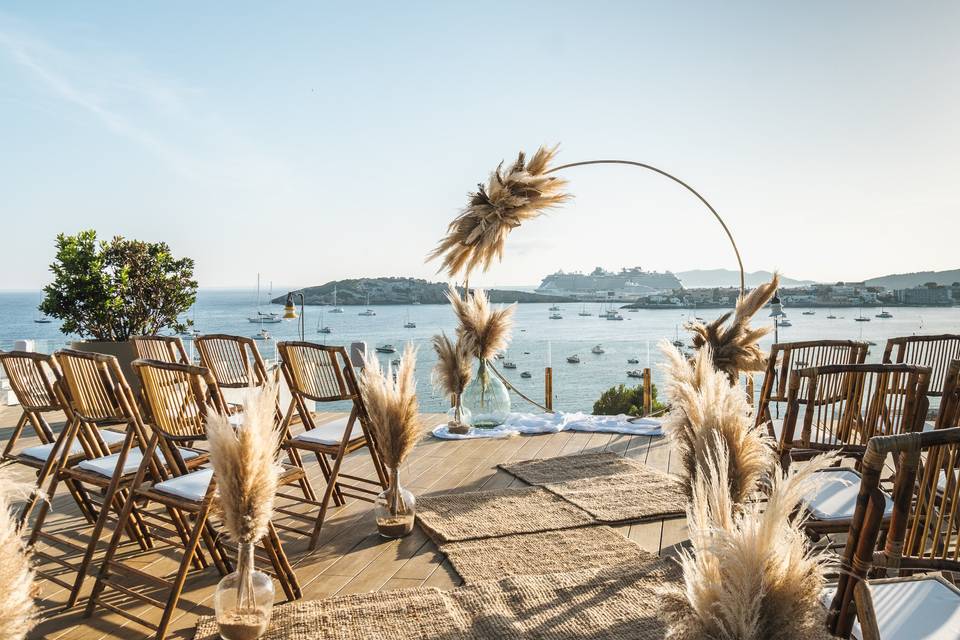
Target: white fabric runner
<point x="530" y="423"/>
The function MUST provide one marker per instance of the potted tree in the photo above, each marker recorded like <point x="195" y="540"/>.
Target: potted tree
<point x="105" y="292"/>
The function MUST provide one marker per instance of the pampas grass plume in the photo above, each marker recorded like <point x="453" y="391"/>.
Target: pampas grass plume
<point x="245" y="464"/>
<point x="452" y="373"/>
<point x="483" y="330"/>
<point x="18" y="612"/>
<point x="392" y="406"/>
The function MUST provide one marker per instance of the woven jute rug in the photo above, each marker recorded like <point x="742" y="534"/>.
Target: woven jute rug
<point x="544" y="552"/>
<point x="388" y="615"/>
<point x="610" y="603"/>
<point x="489" y="514"/>
<point x="564" y="468"/>
<point x="641" y="495"/>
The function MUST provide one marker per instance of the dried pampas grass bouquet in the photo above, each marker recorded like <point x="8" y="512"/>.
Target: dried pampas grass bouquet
<point x="451" y="375"/>
<point x="18" y="613"/>
<point x="394" y="415"/>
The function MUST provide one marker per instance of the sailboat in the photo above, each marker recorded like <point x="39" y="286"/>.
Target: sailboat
<point x="884" y="313"/>
<point x="263" y="317"/>
<point x="677" y="342"/>
<point x="831" y="316"/>
<point x="861" y="317"/>
<point x="42" y="319"/>
<point x="335" y="309"/>
<point x="320" y="326"/>
<point x="368" y="311"/>
<point x="409" y="324"/>
<point x="584" y="312"/>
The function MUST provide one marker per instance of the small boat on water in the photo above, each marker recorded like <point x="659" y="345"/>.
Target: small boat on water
<point x="368" y="311"/>
<point x="499" y="356"/>
<point x="386" y="348"/>
<point x="395" y="362"/>
<point x="861" y="319"/>
<point x="784" y="322"/>
<point x="597" y="349"/>
<point x="409" y="325"/>
<point x="633" y="310"/>
<point x="584" y="312"/>
<point x="614" y="315"/>
<point x="635" y="373"/>
<point x="263" y="334"/>
<point x="335" y="309"/>
<point x="526" y="374"/>
<point x="263" y="317"/>
<point x="41" y="319"/>
<point x="831" y="316"/>
<point x="556" y="316"/>
<point x="508" y="364"/>
<point x="574" y="359"/>
<point x="884" y="313"/>
<point x="633" y="361"/>
<point x="809" y="313"/>
<point x="321" y="328"/>
<point x="554" y="308"/>
<point x="526" y="353"/>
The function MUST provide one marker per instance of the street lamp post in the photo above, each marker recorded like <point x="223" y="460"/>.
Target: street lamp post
<point x="290" y="311"/>
<point x="776" y="312"/>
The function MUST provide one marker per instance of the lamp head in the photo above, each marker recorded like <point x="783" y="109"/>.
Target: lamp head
<point x="776" y="307"/>
<point x="289" y="310"/>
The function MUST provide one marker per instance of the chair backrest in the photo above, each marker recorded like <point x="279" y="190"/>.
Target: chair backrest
<point x="318" y="372"/>
<point x="935" y="352"/>
<point x="786" y="357"/>
<point x="32" y="377"/>
<point x="94" y="393"/>
<point x="923" y="528"/>
<point x="234" y="361"/>
<point x="162" y="348"/>
<point x="948" y="414"/>
<point x="845" y="405"/>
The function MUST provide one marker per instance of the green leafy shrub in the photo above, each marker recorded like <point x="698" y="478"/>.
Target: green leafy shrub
<point x="624" y="399"/>
<point x="112" y="290"/>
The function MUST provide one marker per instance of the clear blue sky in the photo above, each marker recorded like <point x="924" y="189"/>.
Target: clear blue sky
<point x="312" y="141"/>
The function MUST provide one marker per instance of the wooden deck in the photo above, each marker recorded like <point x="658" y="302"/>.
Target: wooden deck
<point x="351" y="556"/>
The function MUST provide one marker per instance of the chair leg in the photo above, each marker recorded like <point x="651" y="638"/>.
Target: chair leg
<point x="327" y="494"/>
<point x="281" y="567"/>
<point x="181" y="576"/>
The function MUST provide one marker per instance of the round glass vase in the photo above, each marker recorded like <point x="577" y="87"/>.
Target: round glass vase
<point x="395" y="509"/>
<point x="243" y="600"/>
<point x="487" y="399"/>
<point x="458" y="418"/>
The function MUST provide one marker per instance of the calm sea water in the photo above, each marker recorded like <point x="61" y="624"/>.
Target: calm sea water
<point x="537" y="340"/>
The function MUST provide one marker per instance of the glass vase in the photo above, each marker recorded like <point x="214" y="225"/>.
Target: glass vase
<point x="487" y="399"/>
<point x="243" y="600"/>
<point x="395" y="509"/>
<point x="458" y="418"/>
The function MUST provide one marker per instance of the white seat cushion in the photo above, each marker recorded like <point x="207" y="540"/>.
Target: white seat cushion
<point x="106" y="465"/>
<point x="836" y="497"/>
<point x="778" y="431"/>
<point x="922" y="609"/>
<point x="42" y="451"/>
<point x="191" y="486"/>
<point x="330" y="433"/>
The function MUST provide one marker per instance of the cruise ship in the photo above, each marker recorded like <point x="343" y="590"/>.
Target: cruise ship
<point x="627" y="284"/>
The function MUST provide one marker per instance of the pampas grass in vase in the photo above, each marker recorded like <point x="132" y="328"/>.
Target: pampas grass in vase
<point x="451" y="375"/>
<point x="245" y="467"/>
<point x="17" y="610"/>
<point x="484" y="332"/>
<point x="394" y="415"/>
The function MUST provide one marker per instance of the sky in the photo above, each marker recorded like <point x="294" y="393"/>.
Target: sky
<point x="312" y="141"/>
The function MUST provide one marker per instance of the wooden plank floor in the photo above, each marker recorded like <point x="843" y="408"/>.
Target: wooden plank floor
<point x="351" y="557"/>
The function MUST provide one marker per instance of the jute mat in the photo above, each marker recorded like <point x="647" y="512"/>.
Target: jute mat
<point x="610" y="603"/>
<point x="388" y="615"/>
<point x="489" y="514"/>
<point x="539" y="553"/>
<point x="564" y="468"/>
<point x="609" y="487"/>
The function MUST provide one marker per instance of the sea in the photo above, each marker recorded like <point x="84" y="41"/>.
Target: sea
<point x="537" y="340"/>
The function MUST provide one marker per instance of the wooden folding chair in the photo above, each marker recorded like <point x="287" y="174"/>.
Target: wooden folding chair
<point x="162" y="348"/>
<point x="178" y="397"/>
<point x="235" y="363"/>
<point x="845" y="406"/>
<point x="922" y="536"/>
<point x="94" y="395"/>
<point x="785" y="358"/>
<point x="936" y="352"/>
<point x="320" y="373"/>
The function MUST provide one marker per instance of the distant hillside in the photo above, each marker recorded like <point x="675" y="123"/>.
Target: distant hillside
<point x="699" y="278"/>
<point x="907" y="280"/>
<point x="400" y="291"/>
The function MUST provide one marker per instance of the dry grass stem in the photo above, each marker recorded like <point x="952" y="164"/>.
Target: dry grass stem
<point x="18" y="614"/>
<point x="451" y="374"/>
<point x="752" y="575"/>
<point x="477" y="236"/>
<point x="392" y="406"/>
<point x="734" y="344"/>
<point x="703" y="406"/>
<point x="245" y="465"/>
<point x="484" y="331"/>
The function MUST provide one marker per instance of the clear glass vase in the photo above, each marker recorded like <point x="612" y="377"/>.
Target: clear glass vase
<point x="243" y="601"/>
<point x="458" y="418"/>
<point x="395" y="509"/>
<point x="487" y="399"/>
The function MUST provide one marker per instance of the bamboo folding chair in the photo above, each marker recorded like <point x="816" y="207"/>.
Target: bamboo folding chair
<point x="845" y="406"/>
<point x="94" y="395"/>
<point x="936" y="352"/>
<point x="234" y="361"/>
<point x="923" y="535"/>
<point x="785" y="358"/>
<point x="179" y="397"/>
<point x="162" y="348"/>
<point x="320" y="373"/>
